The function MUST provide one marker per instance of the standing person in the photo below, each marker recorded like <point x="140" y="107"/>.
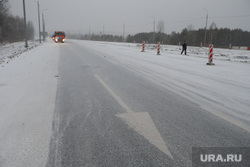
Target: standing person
<point x="184" y="48"/>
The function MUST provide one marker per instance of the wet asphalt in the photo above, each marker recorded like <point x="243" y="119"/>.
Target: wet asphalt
<point x="88" y="130"/>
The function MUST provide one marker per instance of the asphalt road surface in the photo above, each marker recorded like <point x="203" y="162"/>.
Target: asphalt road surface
<point x="109" y="115"/>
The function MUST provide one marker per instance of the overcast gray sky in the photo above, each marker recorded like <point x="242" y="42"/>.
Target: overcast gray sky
<point x="137" y="15"/>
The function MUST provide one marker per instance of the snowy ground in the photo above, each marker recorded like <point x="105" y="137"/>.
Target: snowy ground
<point x="27" y="100"/>
<point x="29" y="81"/>
<point x="10" y="51"/>
<point x="242" y="56"/>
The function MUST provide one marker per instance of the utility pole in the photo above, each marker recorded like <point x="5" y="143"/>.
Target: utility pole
<point x="89" y="33"/>
<point x="205" y="28"/>
<point x="25" y="28"/>
<point x="123" y="31"/>
<point x="39" y="21"/>
<point x="43" y="22"/>
<point x="43" y="27"/>
<point x="154" y="30"/>
<point x="1" y="40"/>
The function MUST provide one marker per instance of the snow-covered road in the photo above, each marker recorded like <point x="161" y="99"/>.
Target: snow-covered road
<point x="223" y="89"/>
<point x="28" y="85"/>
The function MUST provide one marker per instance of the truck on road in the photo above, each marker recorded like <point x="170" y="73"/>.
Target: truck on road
<point x="59" y="36"/>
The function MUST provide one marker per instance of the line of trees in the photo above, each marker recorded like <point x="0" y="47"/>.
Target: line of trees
<point x="222" y="37"/>
<point x="12" y="27"/>
<point x="219" y="37"/>
<point x="95" y="37"/>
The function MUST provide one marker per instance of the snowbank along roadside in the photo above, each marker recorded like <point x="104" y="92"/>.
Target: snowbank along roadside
<point x="27" y="101"/>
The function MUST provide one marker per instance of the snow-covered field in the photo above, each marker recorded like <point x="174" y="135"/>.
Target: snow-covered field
<point x="28" y="83"/>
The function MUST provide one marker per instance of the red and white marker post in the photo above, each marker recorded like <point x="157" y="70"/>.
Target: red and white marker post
<point x="210" y="55"/>
<point x="159" y="48"/>
<point x="143" y="46"/>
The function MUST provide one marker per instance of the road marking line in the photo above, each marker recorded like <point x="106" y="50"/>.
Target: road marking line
<point x="193" y="98"/>
<point x="111" y="61"/>
<point x="117" y="98"/>
<point x="141" y="122"/>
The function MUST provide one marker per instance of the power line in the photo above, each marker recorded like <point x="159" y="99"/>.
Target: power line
<point x="228" y="17"/>
<point x="202" y="18"/>
<point x="197" y="19"/>
<point x="138" y="25"/>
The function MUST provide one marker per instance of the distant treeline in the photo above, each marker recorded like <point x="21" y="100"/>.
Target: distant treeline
<point x="222" y="37"/>
<point x="12" y="28"/>
<point x="94" y="37"/>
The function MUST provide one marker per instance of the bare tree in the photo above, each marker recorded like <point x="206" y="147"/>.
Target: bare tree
<point x="190" y="27"/>
<point x="4" y="11"/>
<point x="190" y="35"/>
<point x="161" y="26"/>
<point x="30" y="30"/>
<point x="212" y="32"/>
<point x="160" y="30"/>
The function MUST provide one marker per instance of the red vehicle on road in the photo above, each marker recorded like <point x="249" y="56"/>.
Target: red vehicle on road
<point x="59" y="36"/>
